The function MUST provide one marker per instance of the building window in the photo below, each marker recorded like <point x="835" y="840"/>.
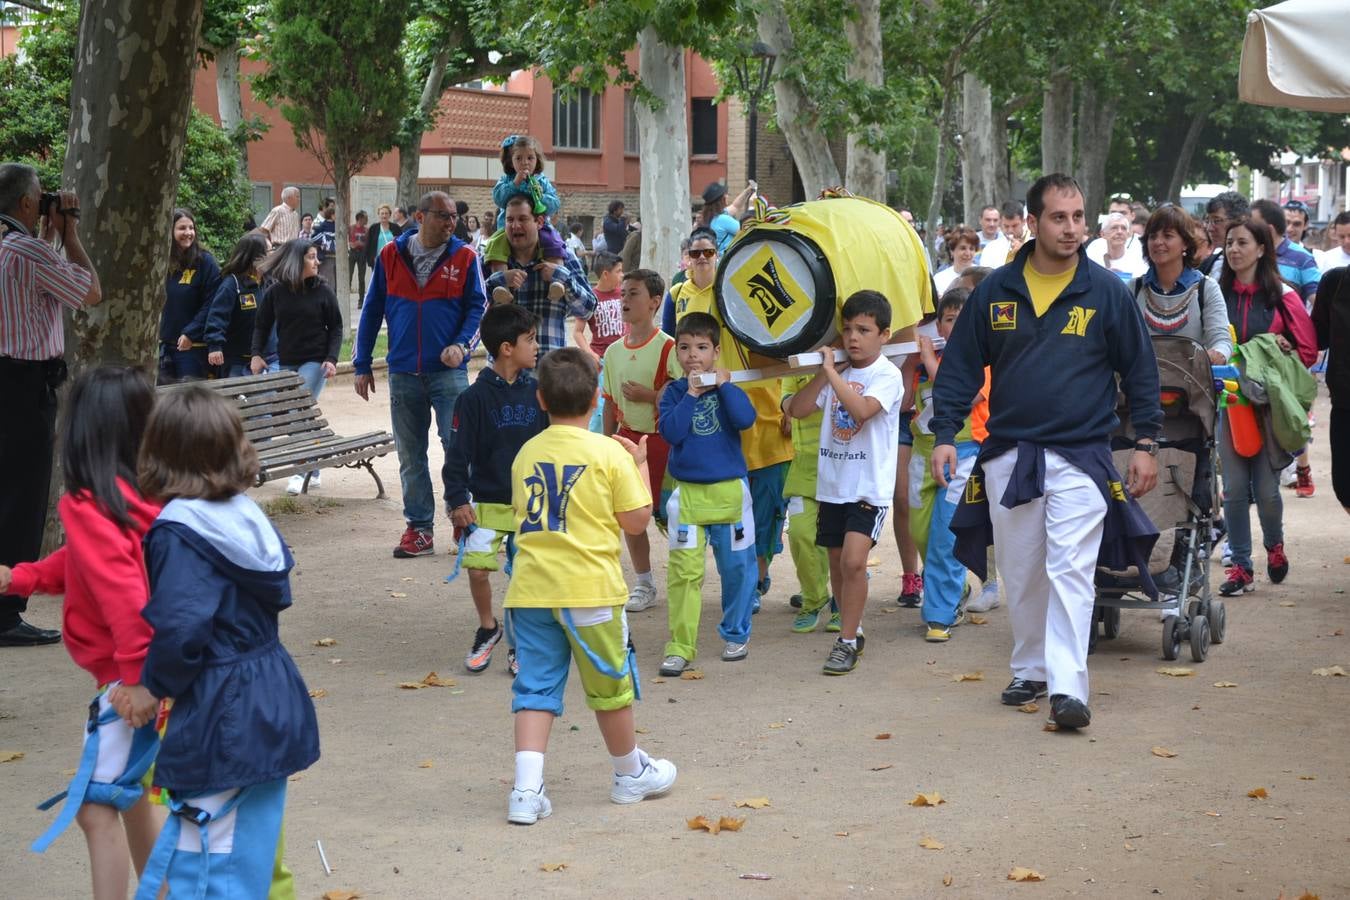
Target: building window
<point x="702" y="127"/>
<point x="261" y="200"/>
<point x="312" y="196"/>
<point x="576" y="121"/>
<point x="630" y="124"/>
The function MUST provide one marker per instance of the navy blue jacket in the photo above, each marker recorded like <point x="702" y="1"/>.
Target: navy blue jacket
<point x="704" y="433"/>
<point x="219" y="576"/>
<point x="187" y="296"/>
<point x="230" y="318"/>
<point x="1053" y="377"/>
<point x="492" y="421"/>
<point x="1128" y="535"/>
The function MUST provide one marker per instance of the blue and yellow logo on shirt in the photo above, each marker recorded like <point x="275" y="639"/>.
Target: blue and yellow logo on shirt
<point x="1078" y="321"/>
<point x="1003" y="316"/>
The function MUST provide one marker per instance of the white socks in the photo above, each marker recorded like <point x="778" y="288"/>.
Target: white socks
<point x="630" y="764"/>
<point x="645" y="578"/>
<point x="529" y="770"/>
<point x="852" y="642"/>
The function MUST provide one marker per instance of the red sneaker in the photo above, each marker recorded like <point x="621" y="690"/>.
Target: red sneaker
<point x="911" y="590"/>
<point x="1277" y="564"/>
<point x="415" y="542"/>
<point x="1303" y="483"/>
<point x="1239" y="581"/>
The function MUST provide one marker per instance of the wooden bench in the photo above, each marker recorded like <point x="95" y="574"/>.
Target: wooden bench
<point x="287" y="428"/>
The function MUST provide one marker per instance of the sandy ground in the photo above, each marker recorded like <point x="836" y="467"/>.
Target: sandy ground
<point x="409" y="798"/>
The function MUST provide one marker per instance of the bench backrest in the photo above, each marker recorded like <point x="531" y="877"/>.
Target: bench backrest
<point x="277" y="408"/>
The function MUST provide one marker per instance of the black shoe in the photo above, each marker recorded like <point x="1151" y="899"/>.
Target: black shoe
<point x="1069" y="713"/>
<point x="843" y="657"/>
<point x="795" y="601"/>
<point x="25" y="635"/>
<point x="1020" y="692"/>
<point x="485" y="640"/>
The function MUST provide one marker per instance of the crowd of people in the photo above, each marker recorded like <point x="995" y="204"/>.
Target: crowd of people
<point x="174" y="579"/>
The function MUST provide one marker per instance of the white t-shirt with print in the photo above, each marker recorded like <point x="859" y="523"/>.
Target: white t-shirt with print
<point x="858" y="462"/>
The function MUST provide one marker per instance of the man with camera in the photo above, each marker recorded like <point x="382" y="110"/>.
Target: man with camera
<point x="36" y="284"/>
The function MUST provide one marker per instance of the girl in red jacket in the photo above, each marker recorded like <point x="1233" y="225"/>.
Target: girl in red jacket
<point x="101" y="572"/>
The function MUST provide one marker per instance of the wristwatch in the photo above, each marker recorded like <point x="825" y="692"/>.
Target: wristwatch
<point x="1147" y="445"/>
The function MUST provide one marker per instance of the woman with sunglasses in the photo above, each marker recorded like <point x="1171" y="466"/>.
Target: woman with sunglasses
<point x="1258" y="302"/>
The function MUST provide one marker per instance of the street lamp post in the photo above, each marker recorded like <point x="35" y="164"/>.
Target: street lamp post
<point x="759" y="56"/>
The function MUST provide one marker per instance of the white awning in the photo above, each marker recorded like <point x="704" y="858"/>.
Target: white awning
<point x="1294" y="55"/>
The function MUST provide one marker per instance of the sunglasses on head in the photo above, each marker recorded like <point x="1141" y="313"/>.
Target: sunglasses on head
<point x="1120" y="198"/>
<point x="702" y="253"/>
<point x="1297" y="206"/>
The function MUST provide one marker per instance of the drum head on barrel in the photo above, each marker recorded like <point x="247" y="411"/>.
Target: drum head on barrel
<point x="776" y="293"/>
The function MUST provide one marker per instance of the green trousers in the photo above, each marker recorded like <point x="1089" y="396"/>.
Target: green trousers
<point x="811" y="562"/>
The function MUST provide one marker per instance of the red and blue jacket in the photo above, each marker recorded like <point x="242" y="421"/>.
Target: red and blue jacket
<point x="423" y="321"/>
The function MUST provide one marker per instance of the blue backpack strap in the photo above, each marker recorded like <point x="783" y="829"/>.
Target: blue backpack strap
<point x="84" y="773"/>
<point x="510" y="566"/>
<point x="459" y="554"/>
<point x="157" y="866"/>
<point x="629" y="669"/>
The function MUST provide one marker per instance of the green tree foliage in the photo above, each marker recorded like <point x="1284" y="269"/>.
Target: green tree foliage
<point x="35" y="115"/>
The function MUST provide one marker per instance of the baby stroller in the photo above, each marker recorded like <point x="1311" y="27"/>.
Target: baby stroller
<point x="1182" y="506"/>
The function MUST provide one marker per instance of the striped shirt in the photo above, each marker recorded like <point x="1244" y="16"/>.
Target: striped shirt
<point x="283" y="224"/>
<point x="35" y="283"/>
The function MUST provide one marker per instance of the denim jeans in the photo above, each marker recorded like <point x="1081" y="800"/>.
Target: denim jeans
<point x="1244" y="480"/>
<point x="311" y="373"/>
<point x="412" y="398"/>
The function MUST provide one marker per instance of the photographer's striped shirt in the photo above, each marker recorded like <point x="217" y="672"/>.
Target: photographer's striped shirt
<point x="35" y="283"/>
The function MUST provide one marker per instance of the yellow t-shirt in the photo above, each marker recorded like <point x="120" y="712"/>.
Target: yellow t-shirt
<point x="762" y="444"/>
<point x="1044" y="289"/>
<point x="624" y="362"/>
<point x="566" y="486"/>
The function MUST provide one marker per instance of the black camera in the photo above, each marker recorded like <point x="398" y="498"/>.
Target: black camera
<point x="47" y="202"/>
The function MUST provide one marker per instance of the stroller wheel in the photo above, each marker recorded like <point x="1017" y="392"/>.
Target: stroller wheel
<point x="1171" y="638"/>
<point x="1110" y="623"/>
<point x="1218" y="621"/>
<point x="1200" y="637"/>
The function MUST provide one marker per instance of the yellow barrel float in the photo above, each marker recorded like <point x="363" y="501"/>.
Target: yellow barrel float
<point x="784" y="279"/>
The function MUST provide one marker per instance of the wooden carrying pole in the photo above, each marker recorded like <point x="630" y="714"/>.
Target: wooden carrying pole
<point x="805" y="364"/>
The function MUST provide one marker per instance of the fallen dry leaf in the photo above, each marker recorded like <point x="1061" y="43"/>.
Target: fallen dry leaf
<point x="325" y="642"/>
<point x="1287" y="603"/>
<point x="946" y="881"/>
<point x="841" y="834"/>
<point x="1164" y="752"/>
<point x="407" y="579"/>
<point x="722" y="823"/>
<point x="641" y="731"/>
<point x="434" y="680"/>
<point x="411" y="685"/>
<point x="977" y="619"/>
<point x="1336" y="671"/>
<point x="753" y="803"/>
<point x="1337" y="633"/>
<point x="10" y="755"/>
<point x="1018" y="873"/>
<point x="658" y="681"/>
<point x="1309" y="895"/>
<point x="397" y="595"/>
<point x="426" y="764"/>
<point x="1175" y="671"/>
<point x="691" y="675"/>
<point x="1130" y="848"/>
<point x="1225" y="684"/>
<point x="318" y="693"/>
<point x="340" y="895"/>
<point x="872" y="561"/>
<point x="1212" y="814"/>
<point x="928" y="843"/>
<point x="552" y="867"/>
<point x="777" y="725"/>
<point x="884" y="736"/>
<point x="755" y="876"/>
<point x="883" y="767"/>
<point x="932" y="799"/>
<point x="1307" y="778"/>
<point x="1049" y="726"/>
<point x="1258" y="793"/>
<point x="730" y="823"/>
<point x="1029" y="708"/>
<point x="969" y="676"/>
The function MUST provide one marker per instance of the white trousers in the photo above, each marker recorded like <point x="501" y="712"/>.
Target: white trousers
<point x="1047" y="552"/>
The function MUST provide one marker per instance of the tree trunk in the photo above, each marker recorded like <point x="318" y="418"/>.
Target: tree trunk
<point x="1096" y="122"/>
<point x="343" y="196"/>
<point x="981" y="158"/>
<point x="1184" y="156"/>
<point x="797" y="115"/>
<point x="663" y="138"/>
<point x="1057" y="125"/>
<point x="1003" y="175"/>
<point x="946" y="135"/>
<point x="865" y="167"/>
<point x="230" y="101"/>
<point x="131" y="90"/>
<point x="410" y="147"/>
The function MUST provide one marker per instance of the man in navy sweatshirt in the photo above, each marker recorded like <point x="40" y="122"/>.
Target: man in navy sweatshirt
<point x="1055" y="330"/>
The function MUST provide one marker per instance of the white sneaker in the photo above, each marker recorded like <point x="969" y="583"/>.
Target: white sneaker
<point x="1289" y="475"/>
<point x="295" y="485"/>
<point x="1227" y="554"/>
<point x="528" y="807"/>
<point x="314" y="482"/>
<point x="657" y="778"/>
<point x="986" y="600"/>
<point x="642" y="596"/>
<point x="673" y="666"/>
<point x="735" y="652"/>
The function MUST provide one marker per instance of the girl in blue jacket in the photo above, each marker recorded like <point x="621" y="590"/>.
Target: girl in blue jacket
<point x="242" y="720"/>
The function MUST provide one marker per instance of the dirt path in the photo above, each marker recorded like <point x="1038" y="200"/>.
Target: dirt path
<point x="409" y="798"/>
